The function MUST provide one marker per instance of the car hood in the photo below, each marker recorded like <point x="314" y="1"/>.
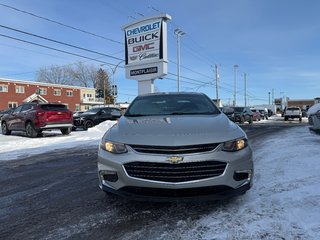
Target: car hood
<point x="174" y="130"/>
<point x="314" y="109"/>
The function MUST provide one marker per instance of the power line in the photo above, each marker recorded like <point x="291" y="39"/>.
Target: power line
<point x="60" y="23"/>
<point x="55" y="49"/>
<point x="59" y="42"/>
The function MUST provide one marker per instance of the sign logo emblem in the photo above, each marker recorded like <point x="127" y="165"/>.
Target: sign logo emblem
<point x="175" y="159"/>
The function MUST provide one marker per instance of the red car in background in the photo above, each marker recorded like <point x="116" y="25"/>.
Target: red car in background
<point x="256" y="114"/>
<point x="33" y="118"/>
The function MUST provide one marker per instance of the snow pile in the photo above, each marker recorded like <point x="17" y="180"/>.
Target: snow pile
<point x="17" y="145"/>
<point x="284" y="202"/>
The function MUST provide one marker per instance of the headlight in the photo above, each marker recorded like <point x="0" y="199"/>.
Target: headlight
<point x="236" y="145"/>
<point x="113" y="147"/>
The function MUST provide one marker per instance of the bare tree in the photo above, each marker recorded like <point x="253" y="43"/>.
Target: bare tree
<point x="83" y="75"/>
<point x="55" y="74"/>
<point x="78" y="74"/>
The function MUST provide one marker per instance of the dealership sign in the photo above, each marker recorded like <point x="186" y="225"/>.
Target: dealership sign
<point x="146" y="48"/>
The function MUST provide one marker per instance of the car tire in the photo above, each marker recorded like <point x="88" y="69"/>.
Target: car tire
<point x="250" y="120"/>
<point x="4" y="128"/>
<point x="241" y="120"/>
<point x="285" y="118"/>
<point x="65" y="131"/>
<point x="300" y="119"/>
<point x="88" y="124"/>
<point x="31" y="131"/>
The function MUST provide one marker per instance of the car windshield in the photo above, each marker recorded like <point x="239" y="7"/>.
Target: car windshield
<point x="172" y="104"/>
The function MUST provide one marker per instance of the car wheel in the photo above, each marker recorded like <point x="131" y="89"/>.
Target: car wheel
<point x="65" y="131"/>
<point x="88" y="124"/>
<point x="4" y="128"/>
<point x="241" y="120"/>
<point x="285" y="118"/>
<point x="31" y="131"/>
<point x="300" y="119"/>
<point x="250" y="120"/>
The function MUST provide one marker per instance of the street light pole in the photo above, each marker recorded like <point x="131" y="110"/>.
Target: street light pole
<point x="113" y="82"/>
<point x="245" y="89"/>
<point x="179" y="33"/>
<point x="235" y="85"/>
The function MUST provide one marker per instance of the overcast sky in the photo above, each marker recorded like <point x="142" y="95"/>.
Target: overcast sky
<point x="276" y="43"/>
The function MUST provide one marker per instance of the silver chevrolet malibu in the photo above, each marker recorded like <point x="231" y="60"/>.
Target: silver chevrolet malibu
<point x="175" y="146"/>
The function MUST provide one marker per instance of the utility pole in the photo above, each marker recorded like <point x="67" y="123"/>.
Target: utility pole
<point x="269" y="98"/>
<point x="245" y="89"/>
<point x="272" y="96"/>
<point x="179" y="33"/>
<point x="235" y="85"/>
<point x="217" y="88"/>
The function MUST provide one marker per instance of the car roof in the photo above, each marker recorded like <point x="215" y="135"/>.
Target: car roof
<point x="171" y="93"/>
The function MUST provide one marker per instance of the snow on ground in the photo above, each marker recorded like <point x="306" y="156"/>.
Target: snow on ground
<point x="284" y="202"/>
<point x="17" y="145"/>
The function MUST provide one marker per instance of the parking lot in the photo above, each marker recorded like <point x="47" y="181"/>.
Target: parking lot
<point x="55" y="195"/>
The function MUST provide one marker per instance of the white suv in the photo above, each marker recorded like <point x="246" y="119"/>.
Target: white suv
<point x="293" y="112"/>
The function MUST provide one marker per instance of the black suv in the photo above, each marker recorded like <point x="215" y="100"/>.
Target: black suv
<point x="94" y="116"/>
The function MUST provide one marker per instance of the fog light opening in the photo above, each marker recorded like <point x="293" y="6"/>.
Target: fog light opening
<point x="242" y="175"/>
<point x="109" y="176"/>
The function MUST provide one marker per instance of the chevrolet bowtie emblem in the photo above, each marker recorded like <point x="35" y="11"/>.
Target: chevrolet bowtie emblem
<point x="174" y="159"/>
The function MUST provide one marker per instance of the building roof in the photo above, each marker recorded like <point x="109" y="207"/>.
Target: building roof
<point x="42" y="83"/>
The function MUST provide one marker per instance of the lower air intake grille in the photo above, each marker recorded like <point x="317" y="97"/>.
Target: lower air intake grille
<point x="168" y="172"/>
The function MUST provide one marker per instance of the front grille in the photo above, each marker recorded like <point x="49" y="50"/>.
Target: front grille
<point x="181" y="172"/>
<point x="174" y="149"/>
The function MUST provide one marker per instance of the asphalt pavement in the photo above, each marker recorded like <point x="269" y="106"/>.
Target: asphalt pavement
<point x="56" y="196"/>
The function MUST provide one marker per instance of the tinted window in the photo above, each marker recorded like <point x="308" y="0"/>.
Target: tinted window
<point x="293" y="109"/>
<point x="18" y="109"/>
<point x="239" y="109"/>
<point x="172" y="104"/>
<point x="53" y="107"/>
<point x="26" y="107"/>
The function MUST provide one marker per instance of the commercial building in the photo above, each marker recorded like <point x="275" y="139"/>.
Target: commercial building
<point x="15" y="92"/>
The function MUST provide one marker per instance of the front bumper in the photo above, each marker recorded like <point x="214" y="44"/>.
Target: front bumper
<point x="218" y="187"/>
<point x="181" y="195"/>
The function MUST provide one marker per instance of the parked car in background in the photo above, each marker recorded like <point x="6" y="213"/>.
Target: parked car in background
<point x="292" y="113"/>
<point x="175" y="146"/>
<point x="229" y="112"/>
<point x="77" y="113"/>
<point x="94" y="116"/>
<point x="243" y="114"/>
<point x="264" y="113"/>
<point x="33" y="118"/>
<point x="314" y="118"/>
<point x="256" y="114"/>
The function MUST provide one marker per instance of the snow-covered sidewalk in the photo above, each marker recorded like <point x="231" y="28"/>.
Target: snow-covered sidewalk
<point x="14" y="146"/>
